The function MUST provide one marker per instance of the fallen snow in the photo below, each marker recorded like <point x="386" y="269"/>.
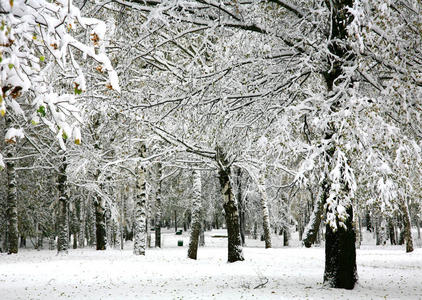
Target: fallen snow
<point x="385" y="272"/>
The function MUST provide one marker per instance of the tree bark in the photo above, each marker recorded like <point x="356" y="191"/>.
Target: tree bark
<point x="407" y="226"/>
<point x="235" y="251"/>
<point x="175" y="220"/>
<point x="286" y="236"/>
<point x="140" y="208"/>
<point x="196" y="216"/>
<point x="158" y="208"/>
<point x="240" y="206"/>
<point x="100" y="223"/>
<point x="340" y="243"/>
<point x="340" y="254"/>
<point x="202" y="236"/>
<point x="391" y="232"/>
<point x="311" y="230"/>
<point x="63" y="221"/>
<point x="264" y="210"/>
<point x="380" y="230"/>
<point x="12" y="197"/>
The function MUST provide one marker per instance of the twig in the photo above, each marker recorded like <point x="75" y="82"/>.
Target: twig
<point x="261" y="285"/>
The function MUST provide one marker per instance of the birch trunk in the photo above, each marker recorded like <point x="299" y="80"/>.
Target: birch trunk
<point x="63" y="221"/>
<point x="196" y="216"/>
<point x="140" y="209"/>
<point x="264" y="210"/>
<point x="158" y="208"/>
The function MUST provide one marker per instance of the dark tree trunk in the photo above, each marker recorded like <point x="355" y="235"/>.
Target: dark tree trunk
<point x="340" y="254"/>
<point x="158" y="208"/>
<point x="392" y="232"/>
<point x="12" y="199"/>
<point x="286" y="236"/>
<point x="63" y="216"/>
<point x="368" y="221"/>
<point x="100" y="224"/>
<point x="22" y="243"/>
<point x="235" y="252"/>
<point x="340" y="244"/>
<point x="255" y="230"/>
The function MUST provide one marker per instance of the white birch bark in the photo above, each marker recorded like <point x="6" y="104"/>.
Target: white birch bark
<point x="264" y="210"/>
<point x="196" y="216"/>
<point x="140" y="210"/>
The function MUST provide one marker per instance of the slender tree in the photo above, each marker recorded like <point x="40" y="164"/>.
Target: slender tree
<point x="140" y="207"/>
<point x="196" y="215"/>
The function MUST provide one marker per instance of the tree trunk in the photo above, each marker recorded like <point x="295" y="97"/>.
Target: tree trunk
<point x="240" y="206"/>
<point x="100" y="223"/>
<point x="407" y="226"/>
<point x="286" y="236"/>
<point x="264" y="210"/>
<point x="202" y="236"/>
<point x="255" y="230"/>
<point x="340" y="247"/>
<point x="380" y="230"/>
<point x="340" y="254"/>
<point x="12" y="197"/>
<point x="63" y="221"/>
<point x="158" y="208"/>
<point x="311" y="230"/>
<point x="175" y="220"/>
<point x="39" y="236"/>
<point x="196" y="216"/>
<point x="391" y="232"/>
<point x="235" y="251"/>
<point x="22" y="243"/>
<point x="82" y="221"/>
<point x="140" y="208"/>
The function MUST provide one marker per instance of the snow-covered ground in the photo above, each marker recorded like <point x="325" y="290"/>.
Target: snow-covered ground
<point x="281" y="273"/>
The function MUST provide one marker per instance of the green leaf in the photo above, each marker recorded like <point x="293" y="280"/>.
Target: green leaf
<point x="78" y="91"/>
<point x="64" y="135"/>
<point x="42" y="58"/>
<point x="11" y="66"/>
<point x="41" y="111"/>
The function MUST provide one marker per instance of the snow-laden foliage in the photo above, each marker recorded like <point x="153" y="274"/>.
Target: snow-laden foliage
<point x="35" y="37"/>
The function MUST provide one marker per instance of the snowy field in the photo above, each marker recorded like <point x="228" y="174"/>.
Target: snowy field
<point x="280" y="273"/>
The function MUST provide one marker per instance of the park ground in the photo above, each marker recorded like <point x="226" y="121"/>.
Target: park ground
<point x="294" y="272"/>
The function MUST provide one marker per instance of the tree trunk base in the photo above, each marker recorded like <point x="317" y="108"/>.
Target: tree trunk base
<point x="340" y="255"/>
